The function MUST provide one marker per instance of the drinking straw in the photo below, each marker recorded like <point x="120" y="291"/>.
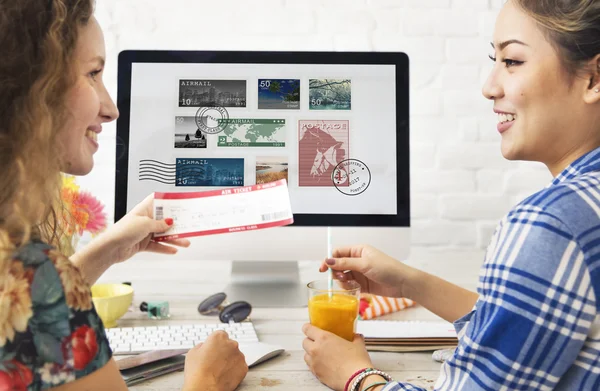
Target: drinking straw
<point x="329" y="255"/>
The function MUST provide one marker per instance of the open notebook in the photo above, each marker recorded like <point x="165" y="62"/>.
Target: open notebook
<point x="407" y="336"/>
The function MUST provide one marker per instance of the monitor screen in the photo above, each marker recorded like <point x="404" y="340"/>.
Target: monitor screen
<point x="334" y="125"/>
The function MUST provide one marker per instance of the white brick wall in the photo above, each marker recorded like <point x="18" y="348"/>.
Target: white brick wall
<point x="461" y="185"/>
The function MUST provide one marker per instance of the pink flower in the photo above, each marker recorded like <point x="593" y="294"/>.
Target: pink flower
<point x="97" y="218"/>
<point x="83" y="211"/>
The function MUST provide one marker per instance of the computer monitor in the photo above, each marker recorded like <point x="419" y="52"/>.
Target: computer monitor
<point x="334" y="124"/>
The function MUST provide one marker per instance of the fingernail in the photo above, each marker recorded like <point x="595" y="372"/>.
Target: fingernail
<point x="331" y="261"/>
<point x="169" y="221"/>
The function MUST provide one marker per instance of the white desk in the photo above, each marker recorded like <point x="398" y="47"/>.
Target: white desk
<point x="186" y="283"/>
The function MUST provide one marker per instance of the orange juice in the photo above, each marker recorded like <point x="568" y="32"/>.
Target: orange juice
<point x="337" y="314"/>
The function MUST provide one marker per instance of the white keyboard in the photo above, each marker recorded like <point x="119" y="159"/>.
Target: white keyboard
<point x="133" y="340"/>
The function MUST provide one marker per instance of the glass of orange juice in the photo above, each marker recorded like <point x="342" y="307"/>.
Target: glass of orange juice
<point x="334" y="310"/>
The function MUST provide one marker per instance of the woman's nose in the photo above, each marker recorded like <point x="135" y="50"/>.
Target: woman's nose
<point x="492" y="88"/>
<point x="109" y="111"/>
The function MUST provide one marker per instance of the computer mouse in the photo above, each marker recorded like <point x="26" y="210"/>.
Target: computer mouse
<point x="258" y="352"/>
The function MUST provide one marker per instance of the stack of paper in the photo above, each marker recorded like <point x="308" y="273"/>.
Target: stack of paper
<point x="407" y="336"/>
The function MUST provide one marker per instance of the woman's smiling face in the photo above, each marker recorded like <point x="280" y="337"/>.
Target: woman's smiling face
<point x="540" y="106"/>
<point x="89" y="103"/>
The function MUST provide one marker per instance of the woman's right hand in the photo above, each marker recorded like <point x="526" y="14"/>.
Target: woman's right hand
<point x="217" y="364"/>
<point x="376" y="272"/>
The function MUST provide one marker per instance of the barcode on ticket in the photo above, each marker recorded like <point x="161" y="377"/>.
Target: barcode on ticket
<point x="274" y="216"/>
<point x="158" y="213"/>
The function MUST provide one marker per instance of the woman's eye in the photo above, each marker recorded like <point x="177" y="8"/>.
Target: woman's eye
<point x="93" y="74"/>
<point x="509" y="63"/>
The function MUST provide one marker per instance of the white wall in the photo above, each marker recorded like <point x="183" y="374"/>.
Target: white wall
<point x="461" y="185"/>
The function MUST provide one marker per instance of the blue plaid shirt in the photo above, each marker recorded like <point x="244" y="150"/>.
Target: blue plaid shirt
<point x="536" y="324"/>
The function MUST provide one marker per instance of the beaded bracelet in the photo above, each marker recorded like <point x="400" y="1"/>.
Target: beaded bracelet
<point x="375" y="385"/>
<point x="353" y="376"/>
<point x="368" y="372"/>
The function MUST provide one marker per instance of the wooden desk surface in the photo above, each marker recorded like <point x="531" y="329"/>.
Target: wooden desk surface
<point x="188" y="282"/>
<point x="288" y="371"/>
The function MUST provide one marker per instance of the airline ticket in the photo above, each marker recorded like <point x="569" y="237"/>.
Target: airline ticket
<point x="221" y="211"/>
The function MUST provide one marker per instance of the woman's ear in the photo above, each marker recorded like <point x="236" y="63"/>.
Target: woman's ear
<point x="592" y="93"/>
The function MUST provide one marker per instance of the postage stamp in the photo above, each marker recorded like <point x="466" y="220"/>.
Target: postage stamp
<point x="271" y="169"/>
<point x="279" y="94"/>
<point x="330" y="94"/>
<point x="322" y="145"/>
<point x="252" y="132"/>
<point x="204" y="93"/>
<point x="188" y="133"/>
<point x="209" y="172"/>
<point x="351" y="177"/>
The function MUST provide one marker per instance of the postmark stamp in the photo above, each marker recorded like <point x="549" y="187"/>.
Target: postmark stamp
<point x="212" y="119"/>
<point x="351" y="177"/>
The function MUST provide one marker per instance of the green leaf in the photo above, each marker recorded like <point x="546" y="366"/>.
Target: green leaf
<point x="33" y="254"/>
<point x="52" y="319"/>
<point x="46" y="287"/>
<point x="7" y="355"/>
<point x="94" y="321"/>
<point x="48" y="348"/>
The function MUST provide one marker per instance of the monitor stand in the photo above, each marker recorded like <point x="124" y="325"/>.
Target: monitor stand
<point x="267" y="284"/>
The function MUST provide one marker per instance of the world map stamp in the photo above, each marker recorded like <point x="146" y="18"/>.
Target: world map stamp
<point x="252" y="132"/>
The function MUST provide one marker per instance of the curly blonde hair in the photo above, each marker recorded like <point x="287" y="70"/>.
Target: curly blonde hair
<point x="37" y="41"/>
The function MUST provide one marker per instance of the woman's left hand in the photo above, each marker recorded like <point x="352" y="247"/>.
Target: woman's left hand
<point x="333" y="359"/>
<point x="128" y="236"/>
<point x="133" y="233"/>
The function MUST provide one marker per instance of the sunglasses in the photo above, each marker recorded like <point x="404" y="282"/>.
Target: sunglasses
<point x="217" y="304"/>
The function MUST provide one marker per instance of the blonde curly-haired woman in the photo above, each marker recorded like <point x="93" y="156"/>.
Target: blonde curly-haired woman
<point x="52" y="107"/>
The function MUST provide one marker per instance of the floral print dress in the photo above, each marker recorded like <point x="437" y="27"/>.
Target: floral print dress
<point x="50" y="333"/>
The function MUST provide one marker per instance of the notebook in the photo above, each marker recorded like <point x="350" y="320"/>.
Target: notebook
<point x="407" y="336"/>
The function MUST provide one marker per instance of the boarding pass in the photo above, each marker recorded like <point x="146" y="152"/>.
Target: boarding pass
<point x="220" y="211"/>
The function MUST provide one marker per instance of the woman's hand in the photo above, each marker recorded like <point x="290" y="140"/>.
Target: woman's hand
<point x="133" y="233"/>
<point x="130" y="235"/>
<point x="217" y="364"/>
<point x="333" y="359"/>
<point x="376" y="272"/>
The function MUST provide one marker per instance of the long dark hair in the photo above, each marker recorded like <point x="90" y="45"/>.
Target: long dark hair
<point x="572" y="26"/>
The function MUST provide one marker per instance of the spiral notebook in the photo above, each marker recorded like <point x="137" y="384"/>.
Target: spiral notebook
<point x="407" y="336"/>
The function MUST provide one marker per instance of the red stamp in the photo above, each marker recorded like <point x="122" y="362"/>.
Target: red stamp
<point x="323" y="145"/>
